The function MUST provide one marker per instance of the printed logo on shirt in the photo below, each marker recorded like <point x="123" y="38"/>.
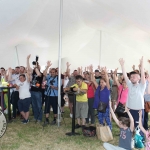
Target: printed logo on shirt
<point x="123" y="134"/>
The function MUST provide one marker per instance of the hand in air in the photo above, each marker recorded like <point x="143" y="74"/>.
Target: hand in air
<point x="121" y="61"/>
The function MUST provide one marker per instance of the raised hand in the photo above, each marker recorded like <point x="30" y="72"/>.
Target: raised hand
<point x="149" y="60"/>
<point x="28" y="57"/>
<point x="141" y="61"/>
<point x="115" y="71"/>
<point x="49" y="63"/>
<point x="133" y="67"/>
<point x="68" y="64"/>
<point x="10" y="70"/>
<point x="99" y="67"/>
<point x="91" y="68"/>
<point x="121" y="61"/>
<point x="126" y="109"/>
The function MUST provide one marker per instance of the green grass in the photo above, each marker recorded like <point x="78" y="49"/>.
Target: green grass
<point x="34" y="137"/>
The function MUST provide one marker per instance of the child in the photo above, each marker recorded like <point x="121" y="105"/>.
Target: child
<point x="126" y="126"/>
<point x="147" y="133"/>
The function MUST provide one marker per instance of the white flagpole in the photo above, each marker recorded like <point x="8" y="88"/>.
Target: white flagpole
<point x="17" y="55"/>
<point x="59" y="60"/>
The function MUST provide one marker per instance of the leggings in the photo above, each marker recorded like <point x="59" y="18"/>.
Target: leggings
<point x="105" y="116"/>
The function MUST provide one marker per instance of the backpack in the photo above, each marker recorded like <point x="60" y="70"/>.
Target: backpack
<point x="89" y="131"/>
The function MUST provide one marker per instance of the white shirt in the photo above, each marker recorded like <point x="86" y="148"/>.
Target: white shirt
<point x="135" y="99"/>
<point x="66" y="80"/>
<point x="24" y="89"/>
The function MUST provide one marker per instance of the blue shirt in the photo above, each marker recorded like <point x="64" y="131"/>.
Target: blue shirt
<point x="101" y="95"/>
<point x="48" y="90"/>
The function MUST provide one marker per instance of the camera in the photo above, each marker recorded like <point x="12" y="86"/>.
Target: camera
<point x="36" y="60"/>
<point x="52" y="82"/>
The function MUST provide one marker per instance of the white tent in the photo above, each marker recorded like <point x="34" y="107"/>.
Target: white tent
<point x="94" y="31"/>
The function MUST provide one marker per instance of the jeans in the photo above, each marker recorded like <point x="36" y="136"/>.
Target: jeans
<point x="90" y="111"/>
<point x="146" y="121"/>
<point x="105" y="116"/>
<point x="37" y="105"/>
<point x="15" y="99"/>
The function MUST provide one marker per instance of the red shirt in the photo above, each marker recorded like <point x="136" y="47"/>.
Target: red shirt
<point x="91" y="90"/>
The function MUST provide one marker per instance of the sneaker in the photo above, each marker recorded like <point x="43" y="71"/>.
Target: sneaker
<point x="25" y="121"/>
<point x="77" y="126"/>
<point x="70" y="115"/>
<point x="53" y="122"/>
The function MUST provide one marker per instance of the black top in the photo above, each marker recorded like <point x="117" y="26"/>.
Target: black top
<point x="36" y="83"/>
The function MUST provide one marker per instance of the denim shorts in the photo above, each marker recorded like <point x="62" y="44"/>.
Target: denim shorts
<point x="24" y="104"/>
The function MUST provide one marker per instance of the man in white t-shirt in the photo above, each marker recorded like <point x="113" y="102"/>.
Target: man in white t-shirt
<point x="24" y="96"/>
<point x="136" y="86"/>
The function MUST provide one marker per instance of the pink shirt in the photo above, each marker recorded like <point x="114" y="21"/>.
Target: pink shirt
<point x="147" y="140"/>
<point x="123" y="94"/>
<point x="90" y="91"/>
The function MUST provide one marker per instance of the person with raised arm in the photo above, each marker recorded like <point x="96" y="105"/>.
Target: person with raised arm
<point x="146" y="132"/>
<point x="122" y="91"/>
<point x="126" y="126"/>
<point x="102" y="94"/>
<point x="136" y="86"/>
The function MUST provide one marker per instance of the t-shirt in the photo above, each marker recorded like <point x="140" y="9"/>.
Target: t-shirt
<point x="81" y="97"/>
<point x="135" y="99"/>
<point x="36" y="83"/>
<point x="24" y="89"/>
<point x="123" y="94"/>
<point x="51" y="81"/>
<point x="101" y="95"/>
<point x="125" y="138"/>
<point x="66" y="80"/>
<point x="72" y="80"/>
<point x="98" y="79"/>
<point x="147" y="96"/>
<point x="90" y="91"/>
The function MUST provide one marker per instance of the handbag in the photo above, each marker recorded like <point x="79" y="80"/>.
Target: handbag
<point x="147" y="106"/>
<point x="89" y="131"/>
<point x="120" y="107"/>
<point x="101" y="106"/>
<point x="104" y="133"/>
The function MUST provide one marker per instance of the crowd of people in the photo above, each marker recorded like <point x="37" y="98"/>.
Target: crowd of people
<point x="131" y="90"/>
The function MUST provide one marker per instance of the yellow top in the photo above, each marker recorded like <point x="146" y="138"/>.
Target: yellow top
<point x="81" y="97"/>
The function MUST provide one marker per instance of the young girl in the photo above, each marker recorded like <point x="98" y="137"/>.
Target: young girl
<point x="126" y="126"/>
<point x="147" y="133"/>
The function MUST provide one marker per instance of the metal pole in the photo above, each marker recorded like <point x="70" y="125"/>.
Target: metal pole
<point x="100" y="51"/>
<point x="17" y="55"/>
<point x="59" y="60"/>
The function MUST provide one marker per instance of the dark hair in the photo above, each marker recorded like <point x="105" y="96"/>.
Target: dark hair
<point x="103" y="79"/>
<point x="125" y="121"/>
<point x="22" y="75"/>
<point x="79" y="77"/>
<point x="2" y="68"/>
<point x="23" y="67"/>
<point x="17" y="67"/>
<point x="96" y="70"/>
<point x="133" y="72"/>
<point x="54" y="69"/>
<point x="75" y="70"/>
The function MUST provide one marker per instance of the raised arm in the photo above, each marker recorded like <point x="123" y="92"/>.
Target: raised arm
<point x="28" y="75"/>
<point x="123" y="70"/>
<point x="10" y="75"/>
<point x="148" y="79"/>
<point x="28" y="64"/>
<point x="142" y="71"/>
<point x="140" y="122"/>
<point x="107" y="79"/>
<point x="47" y="67"/>
<point x="131" y="119"/>
<point x="113" y="114"/>
<point x="68" y="70"/>
<point x="115" y="77"/>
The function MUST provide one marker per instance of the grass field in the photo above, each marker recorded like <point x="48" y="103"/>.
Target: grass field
<point x="33" y="136"/>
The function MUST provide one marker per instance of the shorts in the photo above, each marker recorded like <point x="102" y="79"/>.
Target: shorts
<point x="114" y="93"/>
<point x="51" y="101"/>
<point x="24" y="104"/>
<point x="70" y="98"/>
<point x="62" y="100"/>
<point x="81" y="110"/>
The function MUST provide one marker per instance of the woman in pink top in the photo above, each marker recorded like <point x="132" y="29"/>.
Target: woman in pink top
<point x="122" y="90"/>
<point x="90" y="95"/>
